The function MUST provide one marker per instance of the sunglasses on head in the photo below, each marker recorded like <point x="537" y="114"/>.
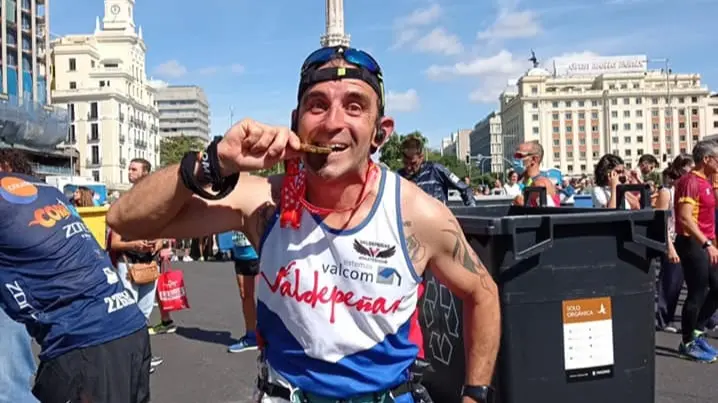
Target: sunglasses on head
<point x="351" y="55"/>
<point x="523" y="155"/>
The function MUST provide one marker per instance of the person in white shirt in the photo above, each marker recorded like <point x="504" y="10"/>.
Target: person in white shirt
<point x="512" y="187"/>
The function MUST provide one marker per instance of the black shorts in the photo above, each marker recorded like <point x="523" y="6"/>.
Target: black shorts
<point x="246" y="267"/>
<point x="114" y="372"/>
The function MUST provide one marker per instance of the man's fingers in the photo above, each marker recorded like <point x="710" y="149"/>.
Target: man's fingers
<point x="277" y="146"/>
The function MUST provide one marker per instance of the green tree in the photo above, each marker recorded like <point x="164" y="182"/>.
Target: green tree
<point x="391" y="150"/>
<point x="172" y="149"/>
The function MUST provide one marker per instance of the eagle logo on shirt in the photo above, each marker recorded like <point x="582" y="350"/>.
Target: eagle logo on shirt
<point x="374" y="252"/>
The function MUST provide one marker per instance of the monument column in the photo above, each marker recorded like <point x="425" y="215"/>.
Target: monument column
<point x="334" y="25"/>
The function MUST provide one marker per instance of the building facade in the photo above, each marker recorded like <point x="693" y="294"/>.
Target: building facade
<point x="102" y="79"/>
<point x="184" y="111"/>
<point x="586" y="109"/>
<point x="486" y="143"/>
<point x="26" y="117"/>
<point x="457" y="144"/>
<point x="712" y="112"/>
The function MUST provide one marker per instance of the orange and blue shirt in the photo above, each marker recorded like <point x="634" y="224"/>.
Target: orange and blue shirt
<point x="54" y="276"/>
<point x="695" y="189"/>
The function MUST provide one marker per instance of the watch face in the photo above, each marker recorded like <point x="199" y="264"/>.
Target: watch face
<point x="115" y="9"/>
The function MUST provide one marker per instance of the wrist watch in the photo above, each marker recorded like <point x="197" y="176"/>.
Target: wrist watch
<point x="707" y="244"/>
<point x="480" y="393"/>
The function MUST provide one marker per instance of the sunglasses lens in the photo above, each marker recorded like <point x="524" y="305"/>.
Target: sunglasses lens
<point x="353" y="56"/>
<point x="319" y="56"/>
<point x="362" y="59"/>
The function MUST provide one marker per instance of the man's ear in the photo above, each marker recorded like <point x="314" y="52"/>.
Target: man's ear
<point x="294" y="121"/>
<point x="386" y="124"/>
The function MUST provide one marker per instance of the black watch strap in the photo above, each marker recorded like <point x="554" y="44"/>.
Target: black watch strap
<point x="480" y="393"/>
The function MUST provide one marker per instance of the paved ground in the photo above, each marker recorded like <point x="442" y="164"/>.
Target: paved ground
<point x="198" y="369"/>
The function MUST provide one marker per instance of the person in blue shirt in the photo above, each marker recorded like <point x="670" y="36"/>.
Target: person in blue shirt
<point x="432" y="177"/>
<point x="59" y="282"/>
<point x="246" y="267"/>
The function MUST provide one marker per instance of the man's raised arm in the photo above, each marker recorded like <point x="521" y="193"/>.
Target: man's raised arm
<point x="161" y="206"/>
<point x="455" y="264"/>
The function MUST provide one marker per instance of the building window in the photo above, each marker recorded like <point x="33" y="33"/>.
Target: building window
<point x="534" y="90"/>
<point x="73" y="85"/>
<point x="639" y="139"/>
<point x="71" y="135"/>
<point x="582" y="115"/>
<point x="555" y="116"/>
<point x="94" y="131"/>
<point x="627" y="139"/>
<point x="614" y="101"/>
<point x="535" y="117"/>
<point x="536" y="130"/>
<point x="614" y="114"/>
<point x="626" y="101"/>
<point x="626" y="114"/>
<point x="639" y="101"/>
<point x="93" y="110"/>
<point x="568" y="115"/>
<point x="594" y="103"/>
<point x="614" y="127"/>
<point x="557" y="155"/>
<point x="73" y="64"/>
<point x="639" y="126"/>
<point x="554" y="104"/>
<point x="639" y="113"/>
<point x="96" y="176"/>
<point x="95" y="158"/>
<point x="626" y="126"/>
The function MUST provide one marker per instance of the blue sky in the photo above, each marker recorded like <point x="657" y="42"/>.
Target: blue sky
<point x="246" y="54"/>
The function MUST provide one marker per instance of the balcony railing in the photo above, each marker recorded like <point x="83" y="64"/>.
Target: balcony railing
<point x="51" y="169"/>
<point x="93" y="139"/>
<point x="90" y="163"/>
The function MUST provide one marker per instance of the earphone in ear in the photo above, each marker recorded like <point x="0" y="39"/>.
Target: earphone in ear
<point x="380" y="135"/>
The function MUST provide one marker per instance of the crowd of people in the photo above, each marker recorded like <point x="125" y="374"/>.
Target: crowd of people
<point x="333" y="307"/>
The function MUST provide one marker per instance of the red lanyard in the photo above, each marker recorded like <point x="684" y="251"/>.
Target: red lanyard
<point x="294" y="189"/>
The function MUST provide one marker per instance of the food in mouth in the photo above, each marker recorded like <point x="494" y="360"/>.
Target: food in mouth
<point x="315" y="149"/>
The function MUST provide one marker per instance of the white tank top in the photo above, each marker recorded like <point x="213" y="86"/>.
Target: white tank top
<point x="334" y="308"/>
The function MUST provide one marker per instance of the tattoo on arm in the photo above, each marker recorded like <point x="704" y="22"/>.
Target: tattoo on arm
<point x="416" y="249"/>
<point x="466" y="256"/>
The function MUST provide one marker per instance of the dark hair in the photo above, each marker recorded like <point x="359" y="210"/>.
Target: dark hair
<point x="412" y="143"/>
<point x="606" y="164"/>
<point x="146" y="166"/>
<point x="676" y="168"/>
<point x="648" y="159"/>
<point x="15" y="160"/>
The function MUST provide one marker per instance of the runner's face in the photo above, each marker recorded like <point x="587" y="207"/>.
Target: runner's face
<point x="135" y="172"/>
<point x="343" y="113"/>
<point x="412" y="160"/>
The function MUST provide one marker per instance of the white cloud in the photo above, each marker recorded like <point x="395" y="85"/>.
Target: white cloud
<point x="171" y="69"/>
<point x="402" y="101"/>
<point x="237" y="68"/>
<point x="157" y="83"/>
<point x="512" y="24"/>
<point x="493" y="73"/>
<point x="209" y="71"/>
<point x="502" y="63"/>
<point x="406" y="28"/>
<point x="420" y="17"/>
<point x="439" y="41"/>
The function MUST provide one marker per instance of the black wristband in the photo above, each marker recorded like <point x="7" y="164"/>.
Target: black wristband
<point x="190" y="181"/>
